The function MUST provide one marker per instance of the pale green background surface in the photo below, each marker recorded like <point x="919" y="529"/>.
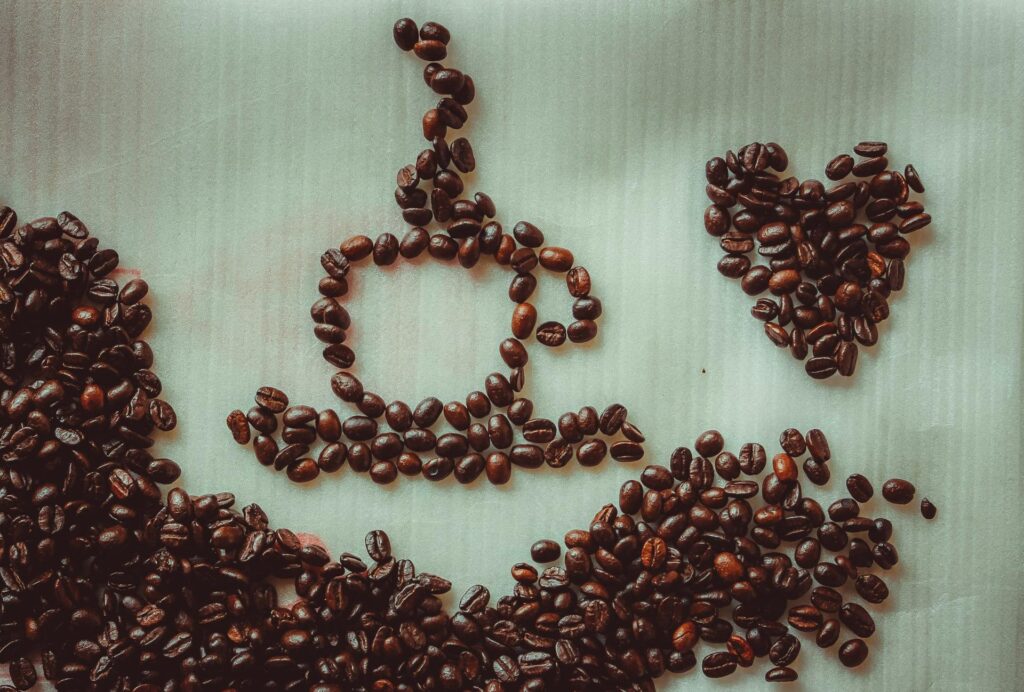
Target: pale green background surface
<point x="220" y="147"/>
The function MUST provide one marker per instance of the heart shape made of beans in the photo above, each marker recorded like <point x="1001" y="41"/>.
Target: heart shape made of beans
<point x="830" y="256"/>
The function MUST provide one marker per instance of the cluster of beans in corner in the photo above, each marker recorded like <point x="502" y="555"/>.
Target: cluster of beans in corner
<point x="483" y="439"/>
<point x="834" y="255"/>
<point x="659" y="573"/>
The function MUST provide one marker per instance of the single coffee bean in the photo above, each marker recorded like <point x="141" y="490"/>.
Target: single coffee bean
<point x="826" y="599"/>
<point x="272" y="399"/>
<point x="828" y="634"/>
<point x="581" y="331"/>
<point x="239" y="427"/>
<point x="303" y="470"/>
<point x="405" y="33"/>
<point x="551" y="334"/>
<point x="524" y="317"/>
<point x="781" y="674"/>
<point x="332" y="457"/>
<point x="871" y="588"/>
<point x="578" y="282"/>
<point x="498" y="468"/>
<point x="928" y="509"/>
<point x="805" y="618"/>
<point x="857" y="619"/>
<point x="586" y="308"/>
<point x="545" y="551"/>
<point x="591" y="453"/>
<point x="718" y="664"/>
<point x="427" y="412"/>
<point x="785" y="650"/>
<point x="853" y="652"/>
<point x="528" y="235"/>
<point x="839" y="167"/>
<point x="625" y="450"/>
<point x="885" y="555"/>
<point x="898" y="491"/>
<point x="556" y="259"/>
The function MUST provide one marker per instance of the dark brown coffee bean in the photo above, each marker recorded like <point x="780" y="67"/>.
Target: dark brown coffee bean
<point x="274" y="400"/>
<point x="332" y="457"/>
<point x="578" y="282"/>
<point x="581" y="331"/>
<point x="513" y="353"/>
<point x="551" y="334"/>
<point x="828" y="634"/>
<point x="857" y="619"/>
<point x="521" y="288"/>
<point x="928" y="510"/>
<point x="303" y="470"/>
<point x="528" y="456"/>
<point x="265" y="449"/>
<point x="443" y="247"/>
<point x="785" y="650"/>
<point x="821" y="367"/>
<point x="716" y="220"/>
<point x="239" y="427"/>
<point x="826" y="599"/>
<point x="805" y="618"/>
<point x="718" y="664"/>
<point x="612" y="418"/>
<point x="545" y="551"/>
<point x="524" y="318"/>
<point x="859" y="487"/>
<point x="885" y="555"/>
<point x="556" y="259"/>
<point x="405" y="33"/>
<point x="528" y="235"/>
<point x="853" y="652"/>
<point x="839" y="167"/>
<point x="910" y="173"/>
<point x="781" y="674"/>
<point x="427" y="412"/>
<point x="499" y="390"/>
<point x="898" y="491"/>
<point x="414" y="243"/>
<point x="591" y="452"/>
<point x="438" y="469"/>
<point x="586" y="308"/>
<point x="498" y="468"/>
<point x="625" y="450"/>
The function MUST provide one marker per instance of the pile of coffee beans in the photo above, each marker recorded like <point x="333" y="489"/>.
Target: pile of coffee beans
<point x="833" y="254"/>
<point x="481" y="439"/>
<point x="683" y="559"/>
<point x="110" y="585"/>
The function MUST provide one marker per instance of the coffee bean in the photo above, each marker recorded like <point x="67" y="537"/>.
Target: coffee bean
<point x="274" y="400"/>
<point x="898" y="491"/>
<point x="427" y="412"/>
<point x="821" y="367"/>
<point x="626" y="451"/>
<point x="718" y="664"/>
<point x="405" y="33"/>
<point x="591" y="452"/>
<point x="239" y="427"/>
<point x="781" y="674"/>
<point x="578" y="281"/>
<point x="885" y="555"/>
<point x="332" y="457"/>
<point x="871" y="588"/>
<point x="581" y="331"/>
<point x="524" y="317"/>
<point x="839" y="167"/>
<point x="785" y="650"/>
<point x="528" y="456"/>
<point x="556" y="259"/>
<point x="414" y="243"/>
<point x="853" y="652"/>
<point x="805" y="618"/>
<point x="928" y="509"/>
<point x="498" y="468"/>
<point x="545" y="551"/>
<point x="586" y="308"/>
<point x="528" y="235"/>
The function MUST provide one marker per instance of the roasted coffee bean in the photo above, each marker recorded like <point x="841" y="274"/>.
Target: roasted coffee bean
<point x="273" y="400"/>
<point x="898" y="491"/>
<point x="498" y="468"/>
<point x="718" y="664"/>
<point x="545" y="551"/>
<point x="586" y="308"/>
<point x="551" y="334"/>
<point x="581" y="331"/>
<point x="828" y="634"/>
<point x="591" y="452"/>
<point x="885" y="555"/>
<point x="871" y="588"/>
<point x="524" y="317"/>
<point x="785" y="650"/>
<point x="928" y="509"/>
<point x="239" y="427"/>
<point x="853" y="652"/>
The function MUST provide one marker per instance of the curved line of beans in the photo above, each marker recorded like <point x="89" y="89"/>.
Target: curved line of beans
<point x="482" y="436"/>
